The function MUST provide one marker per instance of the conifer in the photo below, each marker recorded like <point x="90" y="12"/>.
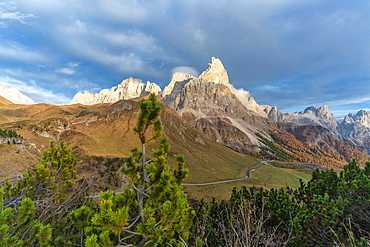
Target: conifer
<point x="154" y="210"/>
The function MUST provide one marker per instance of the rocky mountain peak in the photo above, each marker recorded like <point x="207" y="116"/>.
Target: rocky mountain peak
<point x="216" y="73"/>
<point x="356" y="129"/>
<point x="177" y="82"/>
<point x="362" y="114"/>
<point x="363" y="118"/>
<point x="317" y="116"/>
<point x="127" y="89"/>
<point x="13" y="95"/>
<point x="322" y="111"/>
<point x="151" y="87"/>
<point x="348" y="119"/>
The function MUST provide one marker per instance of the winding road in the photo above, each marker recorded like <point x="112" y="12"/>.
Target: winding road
<point x="247" y="175"/>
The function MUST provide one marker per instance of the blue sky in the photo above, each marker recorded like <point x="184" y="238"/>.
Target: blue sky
<point x="286" y="53"/>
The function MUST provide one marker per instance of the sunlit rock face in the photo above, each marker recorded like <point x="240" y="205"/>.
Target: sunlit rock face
<point x="127" y="89"/>
<point x="210" y="103"/>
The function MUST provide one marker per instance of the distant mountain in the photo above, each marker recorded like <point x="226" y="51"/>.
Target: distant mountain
<point x="13" y="95"/>
<point x="127" y="89"/>
<point x="312" y="115"/>
<point x="356" y="129"/>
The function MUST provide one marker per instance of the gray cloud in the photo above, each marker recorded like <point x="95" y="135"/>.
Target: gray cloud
<point x="186" y="70"/>
<point x="288" y="53"/>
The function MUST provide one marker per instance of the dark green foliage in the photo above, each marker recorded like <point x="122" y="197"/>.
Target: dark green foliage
<point x="40" y="201"/>
<point x="9" y="134"/>
<point x="154" y="210"/>
<point x="330" y="210"/>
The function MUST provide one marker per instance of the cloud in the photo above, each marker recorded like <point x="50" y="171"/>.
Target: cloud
<point x="9" y="12"/>
<point x="15" y="16"/>
<point x="67" y="71"/>
<point x="73" y="64"/>
<point x="185" y="70"/>
<point x="15" y="51"/>
<point x="31" y="90"/>
<point x="70" y="70"/>
<point x="48" y="83"/>
<point x="288" y="53"/>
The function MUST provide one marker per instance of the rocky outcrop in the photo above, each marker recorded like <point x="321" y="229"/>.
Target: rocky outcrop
<point x="356" y="129"/>
<point x="13" y="95"/>
<point x="210" y="104"/>
<point x="175" y="86"/>
<point x="233" y="118"/>
<point x="127" y="89"/>
<point x="216" y="73"/>
<point x="312" y="115"/>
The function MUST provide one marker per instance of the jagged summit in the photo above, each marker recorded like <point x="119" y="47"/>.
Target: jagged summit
<point x="13" y="95"/>
<point x="356" y="129"/>
<point x="177" y="82"/>
<point x="216" y="73"/>
<point x="127" y="89"/>
<point x="317" y="116"/>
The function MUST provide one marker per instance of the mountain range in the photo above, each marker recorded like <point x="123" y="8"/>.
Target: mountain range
<point x="221" y="131"/>
<point x="210" y="100"/>
<point x="232" y="117"/>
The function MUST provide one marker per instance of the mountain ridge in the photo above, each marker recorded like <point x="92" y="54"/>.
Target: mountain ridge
<point x="228" y="115"/>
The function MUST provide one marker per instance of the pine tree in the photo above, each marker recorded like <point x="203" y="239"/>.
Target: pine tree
<point x="38" y="204"/>
<point x="154" y="210"/>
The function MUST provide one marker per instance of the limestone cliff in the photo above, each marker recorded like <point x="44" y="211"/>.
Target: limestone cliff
<point x="356" y="129"/>
<point x="127" y="89"/>
<point x="317" y="116"/>
<point x="227" y="115"/>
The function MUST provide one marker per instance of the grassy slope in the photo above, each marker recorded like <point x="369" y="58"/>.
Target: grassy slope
<point x="267" y="176"/>
<point x="112" y="136"/>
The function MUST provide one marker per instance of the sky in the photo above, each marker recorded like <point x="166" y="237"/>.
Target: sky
<point x="286" y="53"/>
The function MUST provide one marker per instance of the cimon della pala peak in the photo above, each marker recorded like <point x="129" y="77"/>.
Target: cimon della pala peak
<point x="132" y="88"/>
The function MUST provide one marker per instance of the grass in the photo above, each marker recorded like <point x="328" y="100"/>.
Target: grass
<point x="112" y="136"/>
<point x="268" y="176"/>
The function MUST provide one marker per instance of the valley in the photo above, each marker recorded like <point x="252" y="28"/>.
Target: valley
<point x="221" y="131"/>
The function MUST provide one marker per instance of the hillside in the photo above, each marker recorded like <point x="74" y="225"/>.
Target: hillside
<point x="4" y="101"/>
<point x="100" y="134"/>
